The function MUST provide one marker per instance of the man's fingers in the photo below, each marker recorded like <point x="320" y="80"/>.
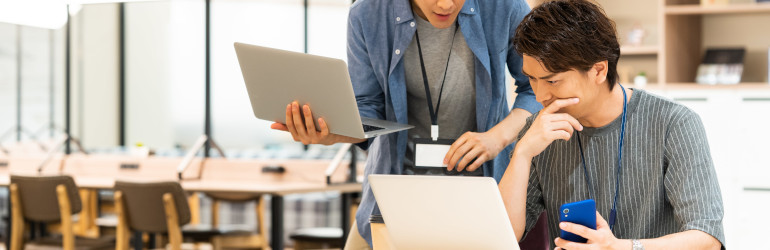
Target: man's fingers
<point x="324" y="127"/>
<point x="290" y="123"/>
<point x="600" y="222"/>
<point x="299" y="124"/>
<point x="555" y="106"/>
<point x="279" y="126"/>
<point x="582" y="231"/>
<point x="477" y="163"/>
<point x="457" y="154"/>
<point x="459" y="142"/>
<point x="467" y="158"/>
<point x="309" y="124"/>
<point x="568" y="118"/>
<point x="565" y="244"/>
<point x="563" y="125"/>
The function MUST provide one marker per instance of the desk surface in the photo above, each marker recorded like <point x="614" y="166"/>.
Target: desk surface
<point x="218" y="175"/>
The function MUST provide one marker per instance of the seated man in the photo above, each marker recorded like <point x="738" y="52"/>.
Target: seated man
<point x="645" y="160"/>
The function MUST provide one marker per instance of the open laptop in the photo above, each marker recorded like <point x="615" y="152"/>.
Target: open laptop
<point x="443" y="212"/>
<point x="275" y="78"/>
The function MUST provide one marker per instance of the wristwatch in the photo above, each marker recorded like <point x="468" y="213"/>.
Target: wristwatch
<point x="636" y="245"/>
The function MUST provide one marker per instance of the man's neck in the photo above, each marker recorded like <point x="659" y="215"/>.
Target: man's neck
<point x="608" y="108"/>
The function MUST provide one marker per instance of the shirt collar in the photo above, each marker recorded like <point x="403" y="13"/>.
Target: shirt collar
<point x="403" y="10"/>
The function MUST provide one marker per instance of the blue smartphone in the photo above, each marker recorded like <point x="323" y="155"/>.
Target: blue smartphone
<point x="581" y="212"/>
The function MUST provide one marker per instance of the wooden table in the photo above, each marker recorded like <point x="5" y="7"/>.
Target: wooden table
<point x="212" y="175"/>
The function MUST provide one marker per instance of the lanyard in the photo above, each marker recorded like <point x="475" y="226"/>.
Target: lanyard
<point x="613" y="212"/>
<point x="434" y="114"/>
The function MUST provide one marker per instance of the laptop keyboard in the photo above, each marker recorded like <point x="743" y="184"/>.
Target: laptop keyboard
<point x="369" y="128"/>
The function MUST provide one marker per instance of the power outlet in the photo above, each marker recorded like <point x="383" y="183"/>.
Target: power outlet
<point x="129" y="166"/>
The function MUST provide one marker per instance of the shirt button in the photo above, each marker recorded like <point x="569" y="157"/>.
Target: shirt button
<point x="398" y="19"/>
<point x="472" y="10"/>
<point x="411" y="24"/>
<point x="398" y="51"/>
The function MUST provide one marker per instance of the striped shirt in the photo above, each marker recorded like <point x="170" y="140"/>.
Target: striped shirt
<point x="667" y="183"/>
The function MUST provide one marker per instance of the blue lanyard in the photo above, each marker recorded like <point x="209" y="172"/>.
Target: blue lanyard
<point x="613" y="212"/>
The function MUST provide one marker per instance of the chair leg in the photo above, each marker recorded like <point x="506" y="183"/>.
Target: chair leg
<point x="123" y="234"/>
<point x="195" y="208"/>
<point x="261" y="225"/>
<point x="17" y="219"/>
<point x="65" y="211"/>
<point x="172" y="222"/>
<point x="214" y="212"/>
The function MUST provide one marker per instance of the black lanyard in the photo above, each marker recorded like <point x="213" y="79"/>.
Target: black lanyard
<point x="434" y="114"/>
<point x="613" y="212"/>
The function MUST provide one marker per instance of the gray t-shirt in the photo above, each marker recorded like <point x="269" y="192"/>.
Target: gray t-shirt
<point x="667" y="182"/>
<point x="457" y="113"/>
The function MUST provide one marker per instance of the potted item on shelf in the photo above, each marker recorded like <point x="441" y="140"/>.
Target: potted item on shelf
<point x="721" y="66"/>
<point x="713" y="2"/>
<point x="640" y="80"/>
<point x="635" y="35"/>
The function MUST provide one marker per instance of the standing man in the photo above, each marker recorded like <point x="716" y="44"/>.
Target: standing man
<point x="645" y="160"/>
<point x="438" y="65"/>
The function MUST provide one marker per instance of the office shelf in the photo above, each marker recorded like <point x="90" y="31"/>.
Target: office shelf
<point x="638" y="50"/>
<point x="697" y="9"/>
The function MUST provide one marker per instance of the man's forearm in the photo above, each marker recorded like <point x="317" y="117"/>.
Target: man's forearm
<point x="691" y="239"/>
<point x="510" y="127"/>
<point x="513" y="189"/>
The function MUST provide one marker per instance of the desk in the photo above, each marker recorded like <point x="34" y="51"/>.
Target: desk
<point x="210" y="175"/>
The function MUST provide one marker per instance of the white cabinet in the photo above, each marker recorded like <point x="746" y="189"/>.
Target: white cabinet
<point x="737" y="124"/>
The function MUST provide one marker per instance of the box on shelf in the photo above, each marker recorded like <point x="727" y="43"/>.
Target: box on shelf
<point x="721" y="66"/>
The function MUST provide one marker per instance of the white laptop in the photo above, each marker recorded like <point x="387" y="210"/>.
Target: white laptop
<point x="275" y="78"/>
<point x="443" y="212"/>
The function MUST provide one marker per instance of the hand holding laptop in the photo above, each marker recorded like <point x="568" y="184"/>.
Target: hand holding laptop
<point x="302" y="128"/>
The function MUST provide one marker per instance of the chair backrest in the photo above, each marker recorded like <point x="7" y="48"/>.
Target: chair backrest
<point x="38" y="196"/>
<point x="144" y="204"/>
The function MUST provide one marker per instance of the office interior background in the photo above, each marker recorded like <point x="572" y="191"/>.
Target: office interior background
<point x="138" y="81"/>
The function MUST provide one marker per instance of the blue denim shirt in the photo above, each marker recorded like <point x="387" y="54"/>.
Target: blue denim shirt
<point x="379" y="31"/>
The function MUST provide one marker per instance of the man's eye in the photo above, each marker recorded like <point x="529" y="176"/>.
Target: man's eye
<point x="552" y="82"/>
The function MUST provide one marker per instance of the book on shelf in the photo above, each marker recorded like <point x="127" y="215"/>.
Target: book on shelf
<point x="721" y="66"/>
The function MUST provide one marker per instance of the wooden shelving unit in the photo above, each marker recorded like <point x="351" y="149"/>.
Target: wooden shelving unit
<point x="638" y="50"/>
<point x="685" y="26"/>
<point x="697" y="9"/>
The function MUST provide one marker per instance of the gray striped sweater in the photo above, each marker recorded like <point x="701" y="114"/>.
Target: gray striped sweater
<point x="667" y="183"/>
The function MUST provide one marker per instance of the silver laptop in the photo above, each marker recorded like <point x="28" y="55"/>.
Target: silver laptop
<point x="275" y="78"/>
<point x="443" y="212"/>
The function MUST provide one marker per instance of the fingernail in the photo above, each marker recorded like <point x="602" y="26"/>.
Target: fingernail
<point x="562" y="225"/>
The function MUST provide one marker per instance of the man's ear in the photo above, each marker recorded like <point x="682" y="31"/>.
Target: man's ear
<point x="600" y="70"/>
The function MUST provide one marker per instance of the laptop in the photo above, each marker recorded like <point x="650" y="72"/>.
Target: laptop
<point x="443" y="212"/>
<point x="274" y="78"/>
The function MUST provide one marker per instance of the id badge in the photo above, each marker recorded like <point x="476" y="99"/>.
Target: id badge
<point x="429" y="153"/>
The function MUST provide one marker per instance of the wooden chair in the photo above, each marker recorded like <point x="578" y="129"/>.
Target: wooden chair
<point x="151" y="207"/>
<point x="48" y="199"/>
<point x="236" y="237"/>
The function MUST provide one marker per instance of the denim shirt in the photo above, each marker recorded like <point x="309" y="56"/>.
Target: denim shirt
<point x="379" y="31"/>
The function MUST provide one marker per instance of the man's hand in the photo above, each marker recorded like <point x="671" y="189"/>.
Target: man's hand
<point x="479" y="146"/>
<point x="302" y="127"/>
<point x="601" y="238"/>
<point x="548" y="127"/>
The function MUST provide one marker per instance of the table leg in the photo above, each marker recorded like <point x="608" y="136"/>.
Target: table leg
<point x="7" y="220"/>
<point x="276" y="222"/>
<point x="138" y="244"/>
<point x="345" y="208"/>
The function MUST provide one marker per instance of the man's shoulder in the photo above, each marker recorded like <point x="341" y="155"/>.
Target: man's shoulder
<point x="366" y="8"/>
<point x="653" y="106"/>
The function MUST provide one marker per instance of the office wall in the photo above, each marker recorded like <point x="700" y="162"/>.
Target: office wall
<point x="7" y="77"/>
<point x="94" y="65"/>
<point x="164" y="73"/>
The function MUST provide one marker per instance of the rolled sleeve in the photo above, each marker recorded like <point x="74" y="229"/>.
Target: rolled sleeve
<point x="370" y="97"/>
<point x="690" y="181"/>
<point x="525" y="98"/>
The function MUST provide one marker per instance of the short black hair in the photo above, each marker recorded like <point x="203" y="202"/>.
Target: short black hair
<point x="569" y="34"/>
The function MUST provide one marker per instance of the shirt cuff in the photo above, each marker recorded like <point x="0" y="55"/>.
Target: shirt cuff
<point x="526" y="101"/>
